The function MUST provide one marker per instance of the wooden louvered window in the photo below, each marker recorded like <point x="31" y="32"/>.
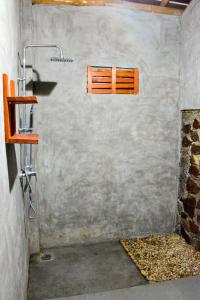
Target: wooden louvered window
<point x="106" y="80"/>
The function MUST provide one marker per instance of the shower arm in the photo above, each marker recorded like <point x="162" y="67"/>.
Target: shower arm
<point x="23" y="79"/>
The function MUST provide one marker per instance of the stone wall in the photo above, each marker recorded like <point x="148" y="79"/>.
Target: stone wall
<point x="189" y="194"/>
<point x="189" y="198"/>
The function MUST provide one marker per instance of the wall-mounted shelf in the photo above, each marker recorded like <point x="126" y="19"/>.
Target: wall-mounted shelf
<point x="23" y="100"/>
<point x="10" y="100"/>
<point x="24" y="139"/>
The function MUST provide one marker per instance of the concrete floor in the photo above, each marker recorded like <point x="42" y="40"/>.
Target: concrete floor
<point x="183" y="289"/>
<point x="82" y="269"/>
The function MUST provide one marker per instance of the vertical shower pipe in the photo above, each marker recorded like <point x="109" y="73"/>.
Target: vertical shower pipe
<point x="27" y="170"/>
<point x="24" y="151"/>
<point x="24" y="115"/>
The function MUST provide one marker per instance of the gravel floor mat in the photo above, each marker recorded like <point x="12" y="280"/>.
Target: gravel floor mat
<point x="163" y="257"/>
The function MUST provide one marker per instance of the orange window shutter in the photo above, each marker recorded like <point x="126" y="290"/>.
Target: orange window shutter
<point x="107" y="80"/>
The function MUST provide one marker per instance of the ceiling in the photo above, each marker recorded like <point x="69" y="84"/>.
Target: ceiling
<point x="180" y="4"/>
<point x="171" y="7"/>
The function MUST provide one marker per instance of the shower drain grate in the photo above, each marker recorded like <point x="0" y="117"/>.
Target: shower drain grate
<point x="46" y="257"/>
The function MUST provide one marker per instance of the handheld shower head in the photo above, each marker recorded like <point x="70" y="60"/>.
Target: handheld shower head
<point x="62" y="59"/>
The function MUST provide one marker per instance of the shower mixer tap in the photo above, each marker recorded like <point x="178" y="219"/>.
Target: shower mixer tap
<point x="27" y="172"/>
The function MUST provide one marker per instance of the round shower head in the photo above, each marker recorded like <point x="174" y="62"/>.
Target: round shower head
<point x="61" y="59"/>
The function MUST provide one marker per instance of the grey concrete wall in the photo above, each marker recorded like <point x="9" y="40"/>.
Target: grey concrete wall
<point x="107" y="164"/>
<point x="190" y="62"/>
<point x="13" y="239"/>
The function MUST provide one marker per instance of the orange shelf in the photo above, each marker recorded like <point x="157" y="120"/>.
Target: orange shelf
<point x="23" y="100"/>
<point x="10" y="100"/>
<point x="24" y="139"/>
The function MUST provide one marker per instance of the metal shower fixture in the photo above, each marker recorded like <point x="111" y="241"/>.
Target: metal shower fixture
<point x="27" y="171"/>
<point x="23" y="79"/>
<point x="60" y="58"/>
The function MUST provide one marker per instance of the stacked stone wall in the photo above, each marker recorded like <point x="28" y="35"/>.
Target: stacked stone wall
<point x="189" y="191"/>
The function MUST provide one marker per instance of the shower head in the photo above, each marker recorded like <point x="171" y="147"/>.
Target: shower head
<point x="62" y="59"/>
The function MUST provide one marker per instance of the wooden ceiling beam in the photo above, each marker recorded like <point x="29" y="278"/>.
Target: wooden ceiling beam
<point x="72" y="2"/>
<point x="164" y="3"/>
<point x="182" y="1"/>
<point x="115" y="3"/>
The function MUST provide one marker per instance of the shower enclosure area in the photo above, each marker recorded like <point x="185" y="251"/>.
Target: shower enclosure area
<point x="107" y="165"/>
<point x="105" y="150"/>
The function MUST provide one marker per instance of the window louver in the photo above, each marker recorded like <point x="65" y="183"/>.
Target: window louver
<point x="107" y="80"/>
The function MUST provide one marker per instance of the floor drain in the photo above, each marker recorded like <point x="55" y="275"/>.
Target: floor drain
<point x="46" y="257"/>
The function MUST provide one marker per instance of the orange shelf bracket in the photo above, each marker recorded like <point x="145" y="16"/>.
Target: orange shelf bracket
<point x="10" y="100"/>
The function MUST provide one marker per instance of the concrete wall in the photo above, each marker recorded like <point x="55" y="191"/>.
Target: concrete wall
<point x="190" y="61"/>
<point x="107" y="164"/>
<point x="13" y="239"/>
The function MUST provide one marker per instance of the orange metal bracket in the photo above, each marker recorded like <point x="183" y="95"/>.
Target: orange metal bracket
<point x="11" y="137"/>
